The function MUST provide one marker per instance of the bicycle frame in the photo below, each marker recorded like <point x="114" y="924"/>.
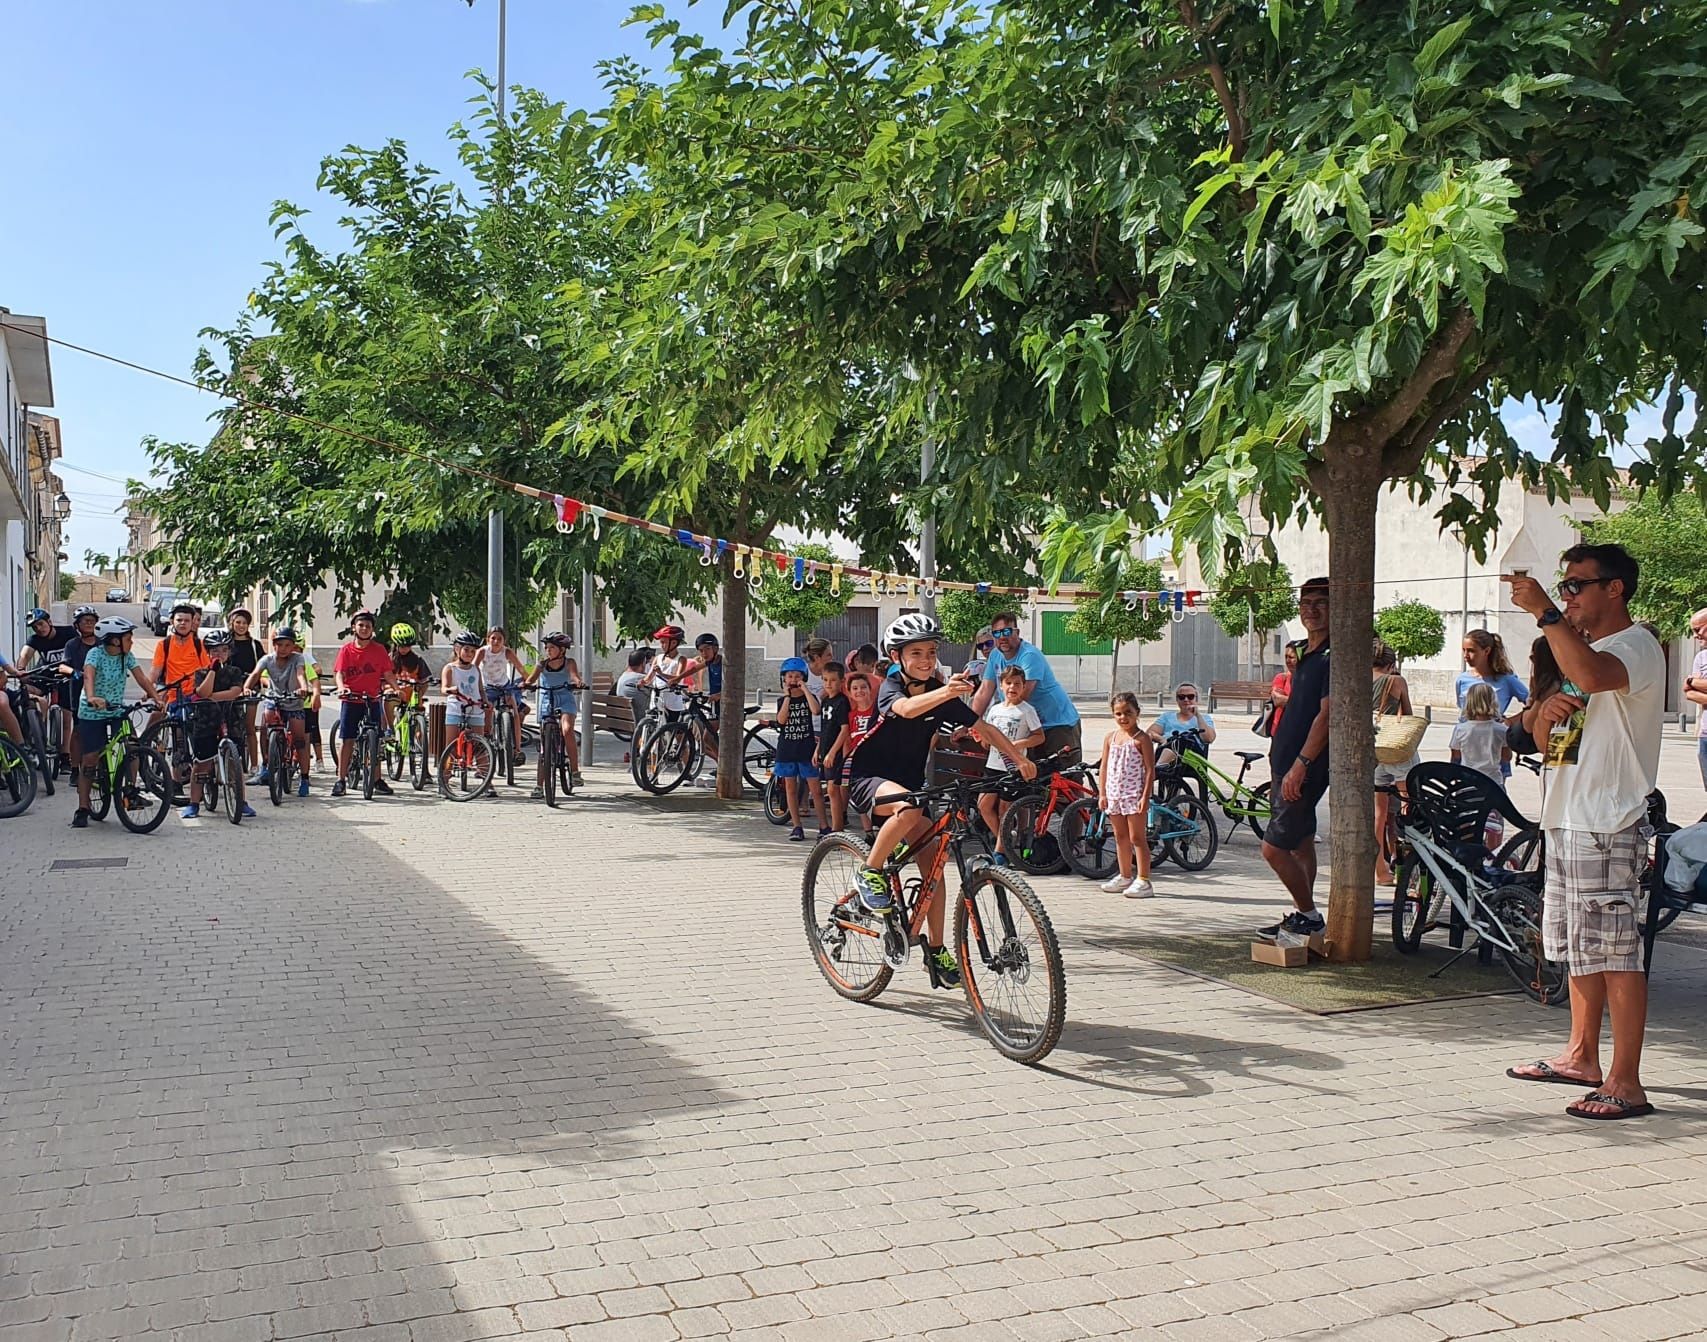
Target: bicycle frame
<point x="1464" y="888"/>
<point x="1239" y="802"/>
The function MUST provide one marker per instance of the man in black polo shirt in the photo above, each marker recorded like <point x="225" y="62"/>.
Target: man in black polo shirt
<point x="1298" y="763"/>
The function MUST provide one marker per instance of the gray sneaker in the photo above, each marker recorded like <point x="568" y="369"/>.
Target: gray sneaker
<point x="872" y="887"/>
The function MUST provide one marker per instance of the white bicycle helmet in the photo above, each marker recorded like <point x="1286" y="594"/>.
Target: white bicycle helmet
<point x="911" y="628"/>
<point x="114" y="626"/>
<point x="217" y="638"/>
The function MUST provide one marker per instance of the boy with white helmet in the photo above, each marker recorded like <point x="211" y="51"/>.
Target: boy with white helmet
<point x="913" y="702"/>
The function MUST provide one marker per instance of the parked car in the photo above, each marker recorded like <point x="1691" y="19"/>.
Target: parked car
<point x="159" y="609"/>
<point x="117" y="594"/>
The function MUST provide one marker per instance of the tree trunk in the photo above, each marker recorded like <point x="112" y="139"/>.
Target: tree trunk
<point x="1349" y="500"/>
<point x="732" y="720"/>
<point x="1114" y="670"/>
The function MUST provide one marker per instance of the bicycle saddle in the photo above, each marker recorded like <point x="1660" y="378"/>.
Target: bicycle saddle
<point x="1249" y="755"/>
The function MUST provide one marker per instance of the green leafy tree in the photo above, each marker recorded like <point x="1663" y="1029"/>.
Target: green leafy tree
<point x="963" y="614"/>
<point x="779" y="605"/>
<point x="1257" y="597"/>
<point x="429" y="335"/>
<point x="1117" y="253"/>
<point x="1411" y="629"/>
<point x="1668" y="538"/>
<point x="1109" y="620"/>
<point x="67" y="585"/>
<point x="100" y="563"/>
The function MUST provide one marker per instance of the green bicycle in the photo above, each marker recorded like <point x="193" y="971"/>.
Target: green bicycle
<point x="405" y="744"/>
<point x="136" y="773"/>
<point x="1192" y="772"/>
<point x="17" y="779"/>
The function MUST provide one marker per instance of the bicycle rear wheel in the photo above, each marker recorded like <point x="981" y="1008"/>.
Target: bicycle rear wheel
<point x="1010" y="964"/>
<point x="17" y="782"/>
<point x="668" y="758"/>
<point x="846" y="941"/>
<point x="758" y="756"/>
<point x="1087" y="840"/>
<point x="465" y="767"/>
<point x="1517" y="910"/>
<point x="1030" y="848"/>
<point x="100" y="789"/>
<point x="145" y="789"/>
<point x="1415" y="898"/>
<point x="1196" y="850"/>
<point x="394" y="756"/>
<point x="1261" y="809"/>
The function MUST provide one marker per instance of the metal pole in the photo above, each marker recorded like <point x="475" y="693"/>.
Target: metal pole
<point x="495" y="519"/>
<point x="586" y="641"/>
<point x="927" y="532"/>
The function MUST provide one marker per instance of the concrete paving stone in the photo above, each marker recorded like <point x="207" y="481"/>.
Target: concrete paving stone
<point x="1465" y="1319"/>
<point x="645" y="1328"/>
<point x="559" y="1313"/>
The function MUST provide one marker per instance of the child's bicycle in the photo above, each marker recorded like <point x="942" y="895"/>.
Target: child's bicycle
<point x="279" y="756"/>
<point x="1192" y="772"/>
<point x="556" y="778"/>
<point x="224" y="784"/>
<point x="135" y="772"/>
<point x="1010" y="960"/>
<point x="1033" y="837"/>
<point x="468" y="760"/>
<point x="406" y="743"/>
<point x="1447" y="877"/>
<point x="17" y="779"/>
<point x="1181" y="830"/>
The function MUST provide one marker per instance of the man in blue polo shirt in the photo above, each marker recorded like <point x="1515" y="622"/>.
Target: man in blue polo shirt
<point x="1042" y="691"/>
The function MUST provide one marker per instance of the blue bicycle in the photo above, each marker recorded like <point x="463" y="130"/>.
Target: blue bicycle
<point x="1181" y="829"/>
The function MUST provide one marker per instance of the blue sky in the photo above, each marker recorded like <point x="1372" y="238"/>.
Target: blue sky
<point x="146" y="144"/>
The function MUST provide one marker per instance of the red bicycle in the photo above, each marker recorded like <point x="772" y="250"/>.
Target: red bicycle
<point x="1031" y="830"/>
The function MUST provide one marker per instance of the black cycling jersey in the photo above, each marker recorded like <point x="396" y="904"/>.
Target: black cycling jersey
<point x="899" y="748"/>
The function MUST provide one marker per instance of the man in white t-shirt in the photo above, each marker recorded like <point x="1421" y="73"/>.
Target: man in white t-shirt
<point x="1695" y="688"/>
<point x="1603" y="751"/>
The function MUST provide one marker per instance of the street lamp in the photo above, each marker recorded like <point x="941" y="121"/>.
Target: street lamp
<point x="62" y="505"/>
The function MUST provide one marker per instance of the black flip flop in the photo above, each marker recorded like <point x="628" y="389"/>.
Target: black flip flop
<point x="1621" y="1108"/>
<point x="1550" y="1076"/>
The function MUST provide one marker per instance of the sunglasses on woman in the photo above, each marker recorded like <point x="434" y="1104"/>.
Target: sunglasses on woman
<point x="984" y="646"/>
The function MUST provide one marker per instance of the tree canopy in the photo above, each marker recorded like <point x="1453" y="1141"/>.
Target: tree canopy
<point x="1669" y="541"/>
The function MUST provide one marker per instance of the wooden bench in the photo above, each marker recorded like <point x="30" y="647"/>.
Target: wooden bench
<point x="611" y="711"/>
<point x="1253" y="692"/>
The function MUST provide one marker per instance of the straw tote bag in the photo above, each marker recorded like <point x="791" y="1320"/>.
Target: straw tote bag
<point x="1397" y="735"/>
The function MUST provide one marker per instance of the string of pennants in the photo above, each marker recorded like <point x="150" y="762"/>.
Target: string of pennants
<point x="753" y="562"/>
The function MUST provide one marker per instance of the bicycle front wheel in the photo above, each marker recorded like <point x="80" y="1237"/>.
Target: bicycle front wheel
<point x="1010" y="964"/>
<point x="1517" y="911"/>
<point x="548" y="763"/>
<point x="418" y="750"/>
<point x="668" y="758"/>
<point x="278" y="750"/>
<point x="1193" y="848"/>
<point x="230" y="768"/>
<point x="18" y="783"/>
<point x="394" y="756"/>
<point x="846" y="941"/>
<point x="144" y="789"/>
<point x="465" y="767"/>
<point x="1027" y="841"/>
<point x="46" y="762"/>
<point x="1087" y="840"/>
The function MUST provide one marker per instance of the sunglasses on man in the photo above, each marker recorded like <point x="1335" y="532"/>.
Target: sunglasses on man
<point x="1005" y="633"/>
<point x="1575" y="586"/>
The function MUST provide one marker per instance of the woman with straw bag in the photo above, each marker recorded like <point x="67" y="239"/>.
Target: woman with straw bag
<point x="1398" y="733"/>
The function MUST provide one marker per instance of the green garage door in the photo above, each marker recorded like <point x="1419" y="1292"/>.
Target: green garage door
<point x="1060" y="641"/>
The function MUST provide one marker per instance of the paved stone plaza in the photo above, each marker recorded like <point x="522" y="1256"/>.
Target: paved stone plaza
<point x="413" y="1072"/>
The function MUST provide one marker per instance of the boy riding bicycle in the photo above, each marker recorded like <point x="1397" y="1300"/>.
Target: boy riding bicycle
<point x="913" y="703"/>
<point x="361" y="673"/>
<point x="220" y="683"/>
<point x="285" y="671"/>
<point x="101" y="707"/>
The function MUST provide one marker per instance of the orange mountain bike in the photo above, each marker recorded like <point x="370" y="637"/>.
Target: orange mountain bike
<point x="1010" y="960"/>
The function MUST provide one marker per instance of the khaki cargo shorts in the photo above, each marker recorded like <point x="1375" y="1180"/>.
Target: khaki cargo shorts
<point x="1593" y="904"/>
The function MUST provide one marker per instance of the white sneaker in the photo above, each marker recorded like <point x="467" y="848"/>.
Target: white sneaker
<point x="1139" y="889"/>
<point x="1115" y="884"/>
